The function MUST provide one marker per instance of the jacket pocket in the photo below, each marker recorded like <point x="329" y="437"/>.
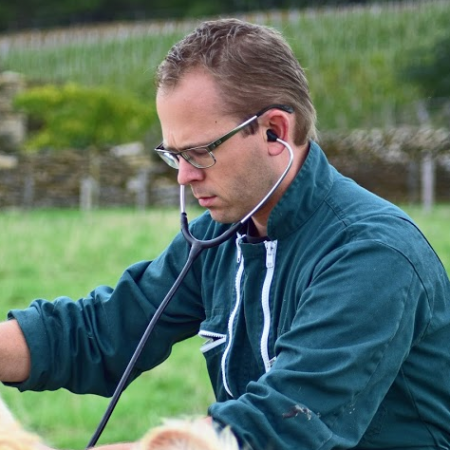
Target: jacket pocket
<point x="213" y="340"/>
<point x="213" y="348"/>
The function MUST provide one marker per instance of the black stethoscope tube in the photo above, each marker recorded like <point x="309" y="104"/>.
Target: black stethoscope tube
<point x="193" y="254"/>
<point x="197" y="246"/>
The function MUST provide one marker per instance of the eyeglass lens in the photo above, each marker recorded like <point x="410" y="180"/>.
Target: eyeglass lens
<point x="169" y="158"/>
<point x="198" y="157"/>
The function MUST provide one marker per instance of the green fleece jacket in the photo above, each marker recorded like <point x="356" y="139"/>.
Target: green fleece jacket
<point x="334" y="333"/>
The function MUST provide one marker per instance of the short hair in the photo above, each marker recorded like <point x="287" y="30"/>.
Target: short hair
<point x="253" y="66"/>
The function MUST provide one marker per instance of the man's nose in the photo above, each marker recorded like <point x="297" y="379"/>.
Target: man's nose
<point x="187" y="173"/>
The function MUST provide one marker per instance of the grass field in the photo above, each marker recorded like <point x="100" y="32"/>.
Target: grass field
<point x="51" y="253"/>
<point x="353" y="57"/>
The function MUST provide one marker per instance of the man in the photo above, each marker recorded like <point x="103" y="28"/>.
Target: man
<point x="328" y="315"/>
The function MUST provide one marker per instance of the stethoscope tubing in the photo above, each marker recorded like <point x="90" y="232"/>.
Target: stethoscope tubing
<point x="193" y="254"/>
<point x="196" y="247"/>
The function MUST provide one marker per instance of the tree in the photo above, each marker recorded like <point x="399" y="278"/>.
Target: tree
<point x="23" y="14"/>
<point x="430" y="69"/>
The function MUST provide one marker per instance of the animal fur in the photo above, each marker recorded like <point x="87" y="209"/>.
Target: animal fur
<point x="187" y="435"/>
<point x="172" y="435"/>
<point x="12" y="435"/>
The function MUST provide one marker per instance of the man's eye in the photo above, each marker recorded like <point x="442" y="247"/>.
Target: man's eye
<point x="198" y="152"/>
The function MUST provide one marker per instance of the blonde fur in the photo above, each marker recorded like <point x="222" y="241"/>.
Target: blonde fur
<point x="187" y="435"/>
<point x="12" y="435"/>
<point x="171" y="435"/>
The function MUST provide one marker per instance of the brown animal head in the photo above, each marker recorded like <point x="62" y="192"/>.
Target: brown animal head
<point x="187" y="435"/>
<point x="172" y="435"/>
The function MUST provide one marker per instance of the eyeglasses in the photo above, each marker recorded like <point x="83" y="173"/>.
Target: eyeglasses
<point x="202" y="157"/>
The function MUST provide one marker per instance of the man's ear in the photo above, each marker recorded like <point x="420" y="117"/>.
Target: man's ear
<point x="276" y="126"/>
<point x="275" y="146"/>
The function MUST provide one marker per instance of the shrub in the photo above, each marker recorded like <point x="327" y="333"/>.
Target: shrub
<point x="74" y="116"/>
<point x="429" y="69"/>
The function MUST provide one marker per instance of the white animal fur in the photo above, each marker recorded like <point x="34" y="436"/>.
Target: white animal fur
<point x="12" y="435"/>
<point x="171" y="435"/>
<point x="187" y="435"/>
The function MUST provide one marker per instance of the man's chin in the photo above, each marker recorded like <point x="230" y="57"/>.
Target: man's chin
<point x="221" y="217"/>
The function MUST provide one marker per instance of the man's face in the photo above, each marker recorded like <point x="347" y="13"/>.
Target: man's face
<point x="191" y="115"/>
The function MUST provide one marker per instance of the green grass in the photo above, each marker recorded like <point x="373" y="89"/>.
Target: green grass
<point x="352" y="58"/>
<point x="435" y="226"/>
<point x="51" y="253"/>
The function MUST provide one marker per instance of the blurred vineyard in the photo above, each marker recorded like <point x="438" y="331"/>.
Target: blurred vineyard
<point x="353" y="56"/>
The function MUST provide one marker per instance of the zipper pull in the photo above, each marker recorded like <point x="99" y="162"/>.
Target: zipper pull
<point x="238" y="248"/>
<point x="270" y="254"/>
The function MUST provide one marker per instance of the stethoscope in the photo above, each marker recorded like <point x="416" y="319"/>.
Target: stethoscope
<point x="196" y="247"/>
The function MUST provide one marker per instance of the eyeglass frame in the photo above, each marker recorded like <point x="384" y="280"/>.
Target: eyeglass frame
<point x="172" y="157"/>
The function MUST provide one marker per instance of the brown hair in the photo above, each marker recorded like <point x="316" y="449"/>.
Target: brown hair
<point x="253" y="65"/>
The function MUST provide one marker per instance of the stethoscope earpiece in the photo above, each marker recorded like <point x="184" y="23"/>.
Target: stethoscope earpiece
<point x="271" y="136"/>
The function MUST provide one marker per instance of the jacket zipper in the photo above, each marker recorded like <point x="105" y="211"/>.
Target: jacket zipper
<point x="238" y="248"/>
<point x="271" y="249"/>
<point x="239" y="273"/>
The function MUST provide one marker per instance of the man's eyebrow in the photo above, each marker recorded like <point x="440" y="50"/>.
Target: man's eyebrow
<point x="185" y="147"/>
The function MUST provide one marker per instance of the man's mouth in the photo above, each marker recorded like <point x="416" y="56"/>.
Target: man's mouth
<point x="206" y="202"/>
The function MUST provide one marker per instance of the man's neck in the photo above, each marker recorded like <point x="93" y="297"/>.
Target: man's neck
<point x="253" y="233"/>
<point x="258" y="229"/>
<point x="260" y="219"/>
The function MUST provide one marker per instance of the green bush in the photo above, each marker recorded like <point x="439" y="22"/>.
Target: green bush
<point x="77" y="117"/>
<point x="429" y="68"/>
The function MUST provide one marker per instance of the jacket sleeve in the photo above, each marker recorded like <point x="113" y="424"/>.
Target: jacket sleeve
<point x="85" y="345"/>
<point x="353" y="328"/>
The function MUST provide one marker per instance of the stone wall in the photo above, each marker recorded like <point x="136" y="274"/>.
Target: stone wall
<point x="399" y="164"/>
<point x="58" y="179"/>
<point x="133" y="178"/>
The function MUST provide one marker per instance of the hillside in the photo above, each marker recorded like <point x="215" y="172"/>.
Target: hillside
<point x="352" y="56"/>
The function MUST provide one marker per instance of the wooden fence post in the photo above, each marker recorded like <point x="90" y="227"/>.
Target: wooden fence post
<point x="428" y="180"/>
<point x="88" y="193"/>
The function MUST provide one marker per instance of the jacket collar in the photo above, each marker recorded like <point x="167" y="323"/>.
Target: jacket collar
<point x="305" y="194"/>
